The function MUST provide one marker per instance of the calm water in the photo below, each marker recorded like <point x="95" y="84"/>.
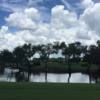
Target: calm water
<point x="61" y="78"/>
<point x="51" y="77"/>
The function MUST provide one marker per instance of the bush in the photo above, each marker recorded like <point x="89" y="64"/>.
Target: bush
<point x="84" y="64"/>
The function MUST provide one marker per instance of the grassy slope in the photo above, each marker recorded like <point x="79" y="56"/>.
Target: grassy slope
<point x="40" y="91"/>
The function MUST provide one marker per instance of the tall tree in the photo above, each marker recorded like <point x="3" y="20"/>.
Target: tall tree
<point x="22" y="55"/>
<point x="92" y="57"/>
<point x="45" y="51"/>
<point x="72" y="53"/>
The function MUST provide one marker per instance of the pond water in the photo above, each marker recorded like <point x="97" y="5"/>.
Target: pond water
<point x="51" y="77"/>
<point x="61" y="78"/>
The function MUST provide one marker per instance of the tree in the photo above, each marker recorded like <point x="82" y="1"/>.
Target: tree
<point x="6" y="60"/>
<point x="45" y="51"/>
<point x="56" y="47"/>
<point x="29" y="51"/>
<point x="6" y="57"/>
<point x="76" y="50"/>
<point x="72" y="53"/>
<point x="66" y="52"/>
<point x="92" y="57"/>
<point x="22" y="55"/>
<point x="62" y="45"/>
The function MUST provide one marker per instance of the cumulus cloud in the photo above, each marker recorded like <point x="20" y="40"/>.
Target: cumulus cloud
<point x="63" y="18"/>
<point x="91" y="17"/>
<point x="9" y="40"/>
<point x="64" y="25"/>
<point x="32" y="13"/>
<point x="61" y="26"/>
<point x="3" y="30"/>
<point x="24" y="20"/>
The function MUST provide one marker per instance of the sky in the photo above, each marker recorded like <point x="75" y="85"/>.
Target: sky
<point x="47" y="21"/>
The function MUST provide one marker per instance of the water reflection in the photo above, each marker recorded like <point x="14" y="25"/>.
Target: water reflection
<point x="80" y="78"/>
<point x="61" y="78"/>
<point x="51" y="77"/>
<point x="4" y="78"/>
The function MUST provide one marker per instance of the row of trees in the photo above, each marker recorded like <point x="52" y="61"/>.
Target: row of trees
<point x="23" y="56"/>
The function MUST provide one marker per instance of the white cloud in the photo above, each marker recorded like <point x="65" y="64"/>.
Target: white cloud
<point x="63" y="26"/>
<point x="82" y="31"/>
<point x="87" y="3"/>
<point x="91" y="17"/>
<point x="9" y="40"/>
<point x="24" y="20"/>
<point x="63" y="18"/>
<point x="3" y="29"/>
<point x="60" y="27"/>
<point x="30" y="37"/>
<point x="32" y="13"/>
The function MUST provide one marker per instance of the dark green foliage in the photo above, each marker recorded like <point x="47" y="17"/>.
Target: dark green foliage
<point x="73" y="54"/>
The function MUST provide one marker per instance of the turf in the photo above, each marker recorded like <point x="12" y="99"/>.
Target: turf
<point x="48" y="91"/>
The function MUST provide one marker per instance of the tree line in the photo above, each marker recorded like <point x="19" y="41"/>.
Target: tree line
<point x="22" y="58"/>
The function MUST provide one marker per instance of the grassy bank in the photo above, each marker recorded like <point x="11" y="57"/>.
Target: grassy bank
<point x="40" y="91"/>
<point x="55" y="67"/>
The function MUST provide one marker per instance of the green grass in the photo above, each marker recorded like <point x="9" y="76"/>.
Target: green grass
<point x="55" y="67"/>
<point x="42" y="91"/>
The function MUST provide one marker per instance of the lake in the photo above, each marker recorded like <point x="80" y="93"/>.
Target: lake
<point x="51" y="77"/>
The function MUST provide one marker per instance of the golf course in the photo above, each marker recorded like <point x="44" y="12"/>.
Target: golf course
<point x="49" y="91"/>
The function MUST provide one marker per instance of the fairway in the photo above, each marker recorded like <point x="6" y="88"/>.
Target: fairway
<point x="49" y="91"/>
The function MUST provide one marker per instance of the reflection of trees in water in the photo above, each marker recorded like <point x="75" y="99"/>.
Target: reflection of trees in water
<point x="96" y="76"/>
<point x="9" y="73"/>
<point x="21" y="76"/>
<point x="93" y="76"/>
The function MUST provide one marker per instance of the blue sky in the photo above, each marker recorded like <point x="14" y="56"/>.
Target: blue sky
<point x="48" y="4"/>
<point x="5" y="6"/>
<point x="5" y="10"/>
<point x="43" y="21"/>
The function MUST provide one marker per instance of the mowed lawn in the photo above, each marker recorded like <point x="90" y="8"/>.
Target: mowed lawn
<point x="49" y="91"/>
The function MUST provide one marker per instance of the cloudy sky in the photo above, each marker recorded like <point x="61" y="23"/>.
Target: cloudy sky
<point x="44" y="21"/>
